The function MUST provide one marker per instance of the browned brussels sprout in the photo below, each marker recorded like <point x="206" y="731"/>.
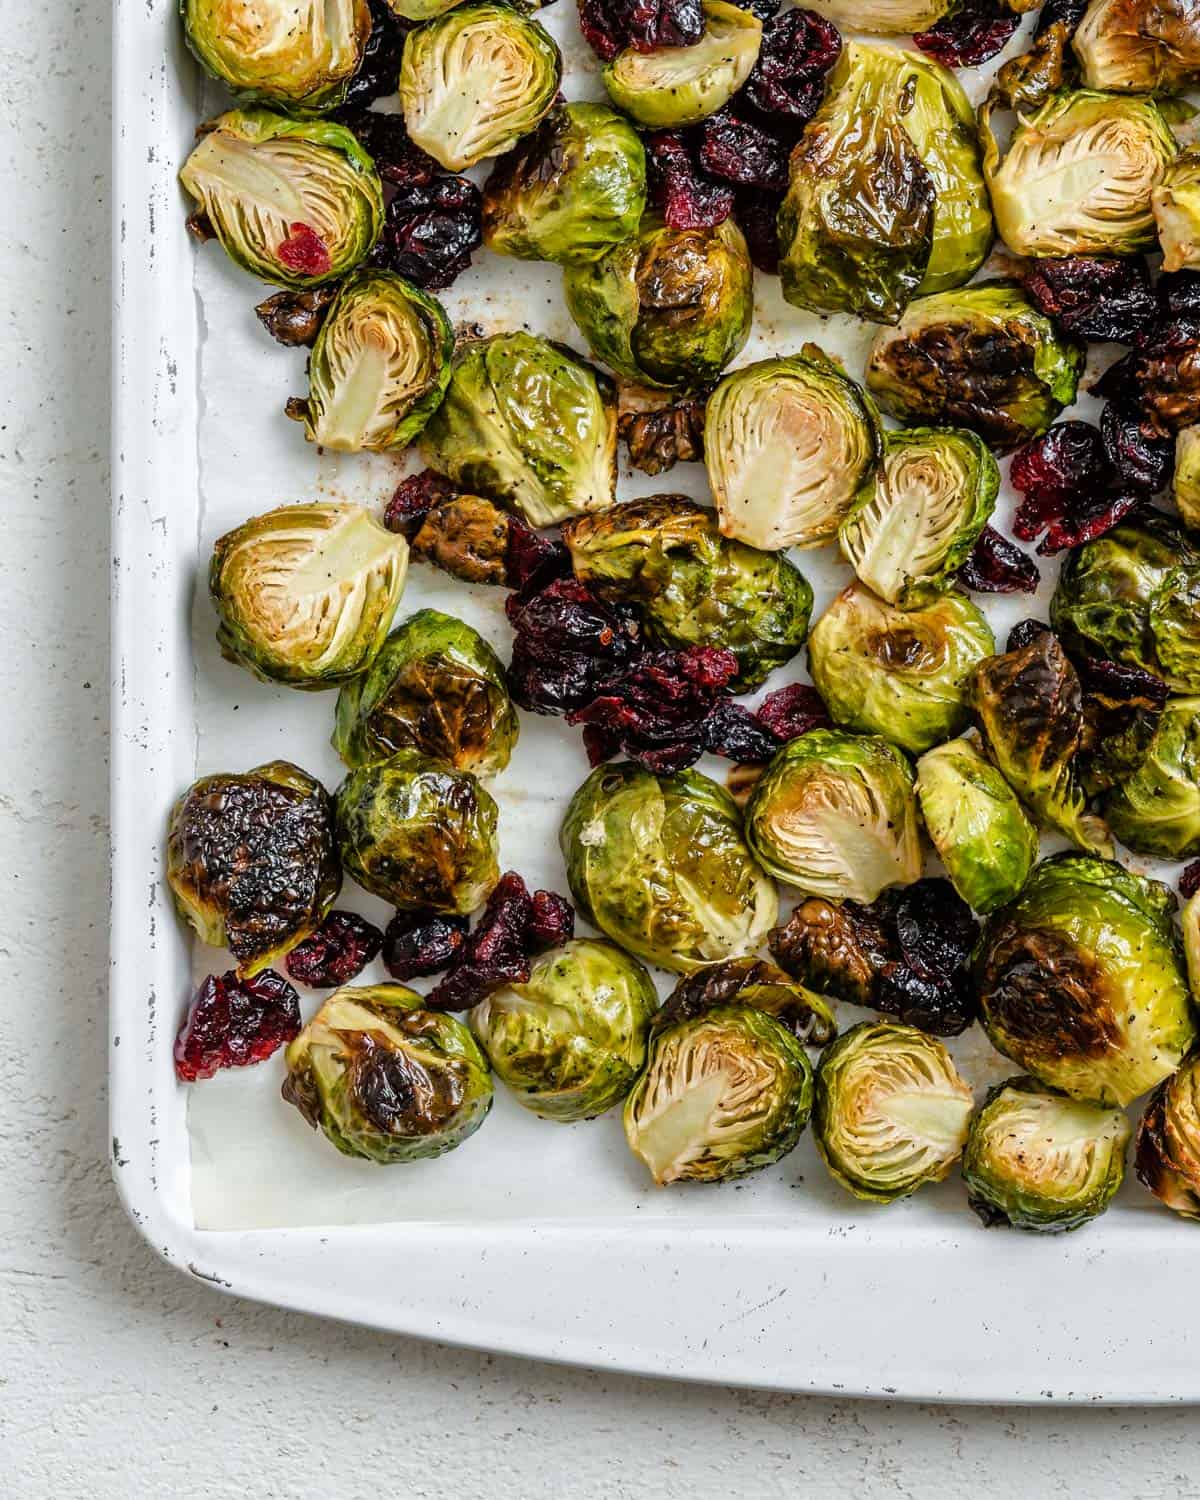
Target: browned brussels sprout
<point x="1139" y="46"/>
<point x="1167" y="1154"/>
<point x="754" y="982"/>
<point x="467" y="537"/>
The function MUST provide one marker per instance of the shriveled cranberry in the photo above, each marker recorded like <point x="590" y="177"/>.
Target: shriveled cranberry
<point x="414" y="498"/>
<point x="737" y="150"/>
<point x="567" y="645"/>
<point x="1189" y="880"/>
<point x="791" y="711"/>
<point x="1053" y="473"/>
<point x="1100" y="298"/>
<point x="934" y="927"/>
<point x="685" y="197"/>
<point x="969" y="33"/>
<point x="1140" y="462"/>
<point x="379" y="72"/>
<point x="997" y="566"/>
<point x="232" y="1022"/>
<point x="787" y="83"/>
<point x="417" y="943"/>
<point x="1086" y="524"/>
<point x="339" y="950"/>
<point x="1069" y="12"/>
<point x="1023" y="633"/>
<point x="495" y="953"/>
<point x="757" y="215"/>
<point x="1178" y="296"/>
<point x="734" y="732"/>
<point x="1160" y="378"/>
<point x="430" y="231"/>
<point x="533" y="561"/>
<point x="551" y="920"/>
<point x="1117" y="682"/>
<point x="397" y="157"/>
<point x="609" y="26"/>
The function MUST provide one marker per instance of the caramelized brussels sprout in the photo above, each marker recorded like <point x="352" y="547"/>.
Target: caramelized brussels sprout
<point x="1167" y="1153"/>
<point x="754" y="982"/>
<point x="884" y="17"/>
<point x="251" y="861"/>
<point x="1139" y="46"/>
<point x="1185" y="485"/>
<point x="671" y="86"/>
<point x="1176" y="205"/>
<point x="467" y="537"/>
<point x="659" y="864"/>
<point x="1156" y="808"/>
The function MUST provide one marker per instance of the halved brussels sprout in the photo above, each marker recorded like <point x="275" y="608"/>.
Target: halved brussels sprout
<point x="672" y="86"/>
<point x="1156" y="809"/>
<point x="884" y="17"/>
<point x="1081" y="980"/>
<point x="1176" y="205"/>
<point x="475" y="80"/>
<point x="251" y="861"/>
<point x="694" y="586"/>
<point x="983" y="358"/>
<point x="1185" y="485"/>
<point x="787" y="443"/>
<point x="1039" y="1161"/>
<point x="917" y="518"/>
<point x="659" y="864"/>
<point x="890" y="1111"/>
<point x="669" y="307"/>
<point x="436" y="686"/>
<point x="1139" y="46"/>
<point x="1167" y="1153"/>
<point x="753" y="982"/>
<point x="570" y="191"/>
<point x="305" y="594"/>
<point x="418" y="834"/>
<point x="296" y="202"/>
<point x="834" y="815"/>
<point x="570" y="1041"/>
<point x="976" y="824"/>
<point x="386" y="1080"/>
<point x="530" y="424"/>
<point x="724" y="1094"/>
<point x="899" y="673"/>
<point x="1189" y="921"/>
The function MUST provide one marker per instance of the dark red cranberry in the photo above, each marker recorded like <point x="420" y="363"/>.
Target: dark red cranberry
<point x="495" y="953"/>
<point x="1189" y="880"/>
<point x="414" y="498"/>
<point x="930" y="935"/>
<point x="1053" y="472"/>
<point x="1143" y="463"/>
<point x="232" y="1022"/>
<point x="551" y="920"/>
<point x="567" y="644"/>
<point x="739" y="151"/>
<point x="533" y="561"/>
<point x="734" y="732"/>
<point x="1178" y="296"/>
<point x="997" y="566"/>
<point x="339" y="950"/>
<point x="787" y="83"/>
<point x="791" y="711"/>
<point x="685" y="197"/>
<point x="609" y="26"/>
<point x="1086" y="524"/>
<point x="430" y="231"/>
<point x="971" y="32"/>
<point x="1116" y="682"/>
<point x="757" y="215"/>
<point x="1069" y="12"/>
<point x="1024" y="633"/>
<point x="304" y="251"/>
<point x="418" y="943"/>
<point x="397" y="157"/>
<point x="379" y="71"/>
<point x="1099" y="298"/>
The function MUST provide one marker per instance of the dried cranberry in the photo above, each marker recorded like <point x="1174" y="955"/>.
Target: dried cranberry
<point x="1069" y="12"/>
<point x="567" y="645"/>
<point x="1178" y="296"/>
<point x="791" y="711"/>
<point x="739" y="151"/>
<point x="1090" y="521"/>
<point x="551" y="920"/>
<point x="934" y="927"/>
<point x="757" y="215"/>
<point x="1141" y="463"/>
<point x="379" y="72"/>
<point x="787" y="83"/>
<point x="1189" y="880"/>
<point x="1160" y="378"/>
<point x="430" y="230"/>
<point x="609" y="26"/>
<point x="970" y="33"/>
<point x="734" y="732"/>
<point x="339" y="950"/>
<point x="232" y="1022"/>
<point x="533" y="561"/>
<point x="1116" y="682"/>
<point x="1023" y="633"/>
<point x="939" y="1009"/>
<point x="1053" y="471"/>
<point x="414" y="498"/>
<point x="397" y="157"/>
<point x="1094" y="297"/>
<point x="678" y="188"/>
<point x="417" y="943"/>
<point x="996" y="566"/>
<point x="495" y="953"/>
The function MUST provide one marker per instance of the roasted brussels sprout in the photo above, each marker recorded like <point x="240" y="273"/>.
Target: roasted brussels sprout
<point x="787" y="443"/>
<point x="475" y="80"/>
<point x="1176" y="205"/>
<point x="1081" y="980"/>
<point x="418" y="834"/>
<point x="884" y="17"/>
<point x="386" y="1080"/>
<point x="437" y="687"/>
<point x="570" y="191"/>
<point x="468" y="537"/>
<point x="1185" y="485"/>
<point x="754" y="982"/>
<point x="834" y="815"/>
<point x="670" y="86"/>
<point x="1039" y="1161"/>
<point x="983" y="358"/>
<point x="976" y="824"/>
<point x="890" y="1111"/>
<point x="669" y="307"/>
<point x="296" y="202"/>
<point x="694" y="586"/>
<point x="528" y="423"/>
<point x="899" y="673"/>
<point x="570" y="1041"/>
<point x="251" y="861"/>
<point x="305" y="594"/>
<point x="659" y="864"/>
<point x="1167" y="1153"/>
<point x="1139" y="46"/>
<point x="1156" y="809"/>
<point x="722" y="1095"/>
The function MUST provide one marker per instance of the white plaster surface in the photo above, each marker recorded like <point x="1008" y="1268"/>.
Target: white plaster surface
<point x="119" y="1377"/>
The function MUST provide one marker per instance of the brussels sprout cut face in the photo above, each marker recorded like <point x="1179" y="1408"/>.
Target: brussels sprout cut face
<point x="672" y="86"/>
<point x="722" y="1095"/>
<point x="305" y="594"/>
<point x="1167" y="1154"/>
<point x="884" y="17"/>
<point x="890" y="1112"/>
<point x="385" y="1080"/>
<point x="1156" y="809"/>
<point x="294" y="202"/>
<point x="1176" y="205"/>
<point x="1139" y="46"/>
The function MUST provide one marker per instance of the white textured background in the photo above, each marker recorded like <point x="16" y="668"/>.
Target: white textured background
<point x="118" y="1376"/>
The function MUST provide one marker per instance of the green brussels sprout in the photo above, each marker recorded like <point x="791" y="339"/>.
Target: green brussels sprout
<point x="305" y="594"/>
<point x="295" y="202"/>
<point x="976" y="824"/>
<point x="787" y="443"/>
<point x="890" y="1111"/>
<point x="723" y="1094"/>
<point x="437" y="687"/>
<point x="530" y="424"/>
<point x="983" y="358"/>
<point x="570" y="1041"/>
<point x="834" y="815"/>
<point x="695" y="587"/>
<point x="1039" y="1161"/>
<point x="568" y="192"/>
<point x="884" y="17"/>
<point x="1156" y="809"/>
<point x="475" y="80"/>
<point x="669" y="307"/>
<point x="672" y="86"/>
<point x="1081" y="980"/>
<point x="299" y="58"/>
<point x="426" y="10"/>
<point x="1139" y="46"/>
<point x="1176" y="205"/>
<point x="1167" y="1152"/>
<point x="659" y="864"/>
<point x="916" y="520"/>
<point x="753" y="982"/>
<point x="899" y="673"/>
<point x="1189" y="920"/>
<point x="1185" y="486"/>
<point x="418" y="834"/>
<point x="386" y="1080"/>
<point x="251" y="861"/>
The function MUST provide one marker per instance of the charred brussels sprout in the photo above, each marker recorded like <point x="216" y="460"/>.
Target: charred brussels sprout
<point x="1081" y="980"/>
<point x="1039" y="1161"/>
<point x="570" y="1041"/>
<point x="529" y="424"/>
<point x="1176" y="205"/>
<point x="753" y="982"/>
<point x="1139" y="46"/>
<point x="418" y="834"/>
<point x="251" y="861"/>
<point x="437" y="687"/>
<point x="834" y="815"/>
<point x="670" y="86"/>
<point x="659" y="864"/>
<point x="669" y="307"/>
<point x="295" y="202"/>
<point x="787" y="443"/>
<point x="1156" y="808"/>
<point x="474" y="81"/>
<point x="305" y="594"/>
<point x="723" y="1094"/>
<point x="1167" y="1154"/>
<point x="890" y="1111"/>
<point x="1185" y="485"/>
<point x="386" y="1080"/>
<point x="570" y="191"/>
<point x="899" y="673"/>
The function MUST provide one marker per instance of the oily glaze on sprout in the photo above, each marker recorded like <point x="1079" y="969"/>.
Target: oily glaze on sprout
<point x="1176" y="205"/>
<point x="1167" y="1153"/>
<point x="753" y="982"/>
<point x="672" y="86"/>
<point x="1155" y="807"/>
